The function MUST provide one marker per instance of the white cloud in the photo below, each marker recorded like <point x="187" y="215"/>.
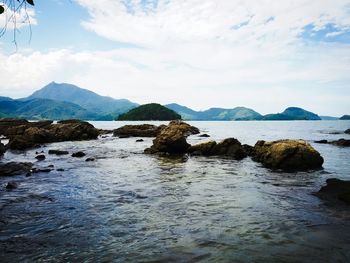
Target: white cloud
<point x="202" y="54"/>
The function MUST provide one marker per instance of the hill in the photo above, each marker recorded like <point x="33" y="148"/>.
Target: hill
<point x="147" y="112"/>
<point x="292" y="113"/>
<point x="345" y="117"/>
<point x="84" y="98"/>
<point x="36" y="109"/>
<point x="238" y="113"/>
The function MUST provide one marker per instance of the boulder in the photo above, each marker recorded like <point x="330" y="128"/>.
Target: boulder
<point x="90" y="159"/>
<point x="172" y="139"/>
<point x="139" y="140"/>
<point x="335" y="190"/>
<point x="71" y="130"/>
<point x="341" y="143"/>
<point x="78" y="154"/>
<point x="143" y="130"/>
<point x="14" y="168"/>
<point x="58" y="152"/>
<point x="287" y="155"/>
<point x="11" y="185"/>
<point x="40" y="157"/>
<point x="2" y="149"/>
<point x="204" y="135"/>
<point x="229" y="147"/>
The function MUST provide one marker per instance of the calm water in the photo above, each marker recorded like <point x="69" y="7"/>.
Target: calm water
<point x="131" y="207"/>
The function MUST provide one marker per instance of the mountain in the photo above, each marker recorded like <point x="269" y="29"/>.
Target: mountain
<point x="5" y="98"/>
<point x="36" y="109"/>
<point x="292" y="113"/>
<point x="148" y="112"/>
<point x="345" y="117"/>
<point x="84" y="98"/>
<point x="238" y="113"/>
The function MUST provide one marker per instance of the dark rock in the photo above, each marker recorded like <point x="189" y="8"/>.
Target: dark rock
<point x="335" y="190"/>
<point x="11" y="185"/>
<point x="2" y="149"/>
<point x="287" y="155"/>
<point x="248" y="149"/>
<point x="60" y="169"/>
<point x="13" y="168"/>
<point x="36" y="134"/>
<point x="139" y="140"/>
<point x="51" y="166"/>
<point x="204" y="135"/>
<point x="40" y="157"/>
<point x="90" y="159"/>
<point x="172" y="139"/>
<point x="41" y="170"/>
<point x="58" y="152"/>
<point x="39" y="152"/>
<point x="143" y="130"/>
<point x="78" y="154"/>
<point x="347" y="131"/>
<point x="104" y="132"/>
<point x="341" y="143"/>
<point x="322" y="141"/>
<point x="229" y="147"/>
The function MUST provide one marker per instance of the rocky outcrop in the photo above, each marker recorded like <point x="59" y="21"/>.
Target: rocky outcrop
<point x="287" y="155"/>
<point x="340" y="142"/>
<point x="143" y="130"/>
<point x="172" y="138"/>
<point x="230" y="147"/>
<point x="14" y="168"/>
<point x="70" y="130"/>
<point x="11" y="185"/>
<point x="336" y="190"/>
<point x="13" y="127"/>
<point x="2" y="149"/>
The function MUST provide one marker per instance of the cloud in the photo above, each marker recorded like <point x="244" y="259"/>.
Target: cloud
<point x="10" y="19"/>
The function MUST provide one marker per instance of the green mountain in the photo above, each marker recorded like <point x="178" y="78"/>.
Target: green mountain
<point x="292" y="113"/>
<point x="36" y="109"/>
<point x="86" y="99"/>
<point x="345" y="117"/>
<point x="238" y="113"/>
<point x="147" y="112"/>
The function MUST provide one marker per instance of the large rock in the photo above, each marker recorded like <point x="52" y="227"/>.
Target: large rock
<point x="347" y="131"/>
<point x="230" y="147"/>
<point x="2" y="149"/>
<point x="335" y="190"/>
<point x="13" y="127"/>
<point x="14" y="168"/>
<point x="287" y="155"/>
<point x="341" y="143"/>
<point x="72" y="130"/>
<point x="172" y="138"/>
<point x="143" y="130"/>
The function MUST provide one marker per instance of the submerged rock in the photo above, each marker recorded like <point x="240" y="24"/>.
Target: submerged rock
<point x="70" y="130"/>
<point x="143" y="130"/>
<point x="40" y="157"/>
<point x="90" y="159"/>
<point x="11" y="185"/>
<point x="14" y="168"/>
<point x="204" y="135"/>
<point x="139" y="140"/>
<point x="341" y="143"/>
<point x="347" y="131"/>
<point x="172" y="138"/>
<point x="321" y="141"/>
<point x="78" y="154"/>
<point x="287" y="155"/>
<point x="230" y="147"/>
<point x="2" y="149"/>
<point x="58" y="152"/>
<point x="335" y="190"/>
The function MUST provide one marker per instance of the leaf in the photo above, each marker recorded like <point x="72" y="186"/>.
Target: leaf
<point x="31" y="2"/>
<point x="2" y="9"/>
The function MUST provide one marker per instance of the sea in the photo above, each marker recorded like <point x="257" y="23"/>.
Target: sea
<point x="127" y="206"/>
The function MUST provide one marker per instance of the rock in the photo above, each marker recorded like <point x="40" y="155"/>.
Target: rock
<point x="322" y="141"/>
<point x="14" y="168"/>
<point x="11" y="185"/>
<point x="248" y="149"/>
<point x="335" y="190"/>
<point x="184" y="127"/>
<point x="347" y="131"/>
<point x="204" y="135"/>
<point x="229" y="147"/>
<point x="2" y="149"/>
<point x="40" y="157"/>
<point x="143" y="130"/>
<point x="172" y="139"/>
<point x="10" y="123"/>
<point x="60" y="169"/>
<point x="341" y="142"/>
<point x="90" y="159"/>
<point x="287" y="155"/>
<point x="58" y="152"/>
<point x="70" y="130"/>
<point x="104" y="132"/>
<point x="41" y="170"/>
<point x="139" y="140"/>
<point x="78" y="154"/>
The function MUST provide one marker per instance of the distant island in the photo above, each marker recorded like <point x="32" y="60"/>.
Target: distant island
<point x="151" y="111"/>
<point x="60" y="101"/>
<point x="345" y="117"/>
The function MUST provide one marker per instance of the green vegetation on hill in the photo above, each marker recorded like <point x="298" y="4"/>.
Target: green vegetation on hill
<point x="292" y="113"/>
<point x="345" y="117"/>
<point x="147" y="112"/>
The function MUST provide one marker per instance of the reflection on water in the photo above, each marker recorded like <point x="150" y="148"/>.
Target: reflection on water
<point x="129" y="207"/>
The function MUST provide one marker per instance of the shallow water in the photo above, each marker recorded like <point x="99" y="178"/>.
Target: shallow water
<point x="130" y="207"/>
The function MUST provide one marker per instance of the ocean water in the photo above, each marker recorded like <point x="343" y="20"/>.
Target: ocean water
<point x="130" y="207"/>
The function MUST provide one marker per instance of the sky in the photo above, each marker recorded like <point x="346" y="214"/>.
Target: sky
<point x="262" y="54"/>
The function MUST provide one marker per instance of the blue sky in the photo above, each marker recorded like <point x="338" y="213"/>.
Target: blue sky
<point x="263" y="54"/>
